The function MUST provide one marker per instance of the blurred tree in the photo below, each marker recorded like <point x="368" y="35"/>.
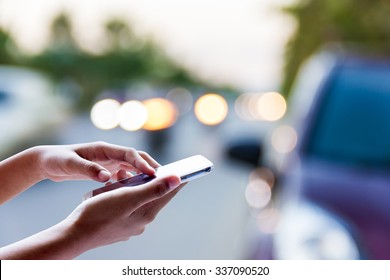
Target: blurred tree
<point x="120" y="36"/>
<point x="7" y="48"/>
<point x="342" y="21"/>
<point x="62" y="54"/>
<point x="3" y="47"/>
<point x="126" y="59"/>
<point x="61" y="37"/>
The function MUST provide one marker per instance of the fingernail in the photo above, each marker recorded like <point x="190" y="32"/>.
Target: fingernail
<point x="104" y="175"/>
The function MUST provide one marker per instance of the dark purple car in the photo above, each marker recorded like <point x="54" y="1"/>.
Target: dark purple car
<point x="333" y="191"/>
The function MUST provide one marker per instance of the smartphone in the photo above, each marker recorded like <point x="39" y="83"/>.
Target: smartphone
<point x="187" y="169"/>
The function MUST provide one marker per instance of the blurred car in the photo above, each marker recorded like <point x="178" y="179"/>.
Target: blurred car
<point x="331" y="158"/>
<point x="29" y="110"/>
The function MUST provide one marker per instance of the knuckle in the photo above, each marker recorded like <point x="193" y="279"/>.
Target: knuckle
<point x="131" y="155"/>
<point x="90" y="166"/>
<point x="125" y="238"/>
<point x="139" y="231"/>
<point x="143" y="154"/>
<point x="146" y="215"/>
<point x="160" y="190"/>
<point x="102" y="143"/>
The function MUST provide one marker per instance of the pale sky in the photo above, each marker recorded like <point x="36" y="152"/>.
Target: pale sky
<point x="239" y="42"/>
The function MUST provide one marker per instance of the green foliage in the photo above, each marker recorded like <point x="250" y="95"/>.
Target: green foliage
<point x="126" y="59"/>
<point x="6" y="48"/>
<point x="320" y="22"/>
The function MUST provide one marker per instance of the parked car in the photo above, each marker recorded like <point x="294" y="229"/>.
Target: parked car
<point x="332" y="196"/>
<point x="29" y="109"/>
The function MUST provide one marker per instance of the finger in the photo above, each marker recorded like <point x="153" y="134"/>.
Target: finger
<point x="149" y="211"/>
<point x="114" y="168"/>
<point x="122" y="174"/>
<point x="151" y="161"/>
<point x="129" y="155"/>
<point x="158" y="204"/>
<point x="119" y="175"/>
<point x="88" y="169"/>
<point x="155" y="189"/>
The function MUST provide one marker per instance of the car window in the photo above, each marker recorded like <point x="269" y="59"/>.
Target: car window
<point x="353" y="124"/>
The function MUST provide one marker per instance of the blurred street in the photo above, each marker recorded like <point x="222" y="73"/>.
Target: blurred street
<point x="207" y="220"/>
<point x="286" y="98"/>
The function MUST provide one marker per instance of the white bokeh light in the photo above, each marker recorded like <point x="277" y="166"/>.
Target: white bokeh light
<point x="104" y="114"/>
<point x="211" y="109"/>
<point x="132" y="115"/>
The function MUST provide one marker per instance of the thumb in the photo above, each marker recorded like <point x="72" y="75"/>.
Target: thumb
<point x="90" y="169"/>
<point x="155" y="189"/>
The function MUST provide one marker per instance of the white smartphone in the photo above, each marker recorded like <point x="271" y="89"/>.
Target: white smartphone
<point x="187" y="169"/>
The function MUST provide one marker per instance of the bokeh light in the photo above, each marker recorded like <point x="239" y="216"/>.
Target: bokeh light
<point x="182" y="99"/>
<point x="211" y="109"/>
<point x="162" y="113"/>
<point x="243" y="107"/>
<point x="272" y="106"/>
<point x="104" y="114"/>
<point x="258" y="193"/>
<point x="132" y="115"/>
<point x="284" y="139"/>
<point x="240" y="107"/>
<point x="263" y="173"/>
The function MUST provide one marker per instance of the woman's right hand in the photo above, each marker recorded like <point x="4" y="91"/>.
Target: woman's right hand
<point x="117" y="215"/>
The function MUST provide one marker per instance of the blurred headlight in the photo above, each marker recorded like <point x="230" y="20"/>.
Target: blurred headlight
<point x="132" y="115"/>
<point x="308" y="232"/>
<point x="211" y="109"/>
<point x="161" y="113"/>
<point x="104" y="114"/>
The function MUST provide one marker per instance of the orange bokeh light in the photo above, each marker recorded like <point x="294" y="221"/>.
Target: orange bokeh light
<point x="162" y="113"/>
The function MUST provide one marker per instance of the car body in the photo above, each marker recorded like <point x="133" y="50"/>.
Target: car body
<point x="333" y="189"/>
<point x="29" y="109"/>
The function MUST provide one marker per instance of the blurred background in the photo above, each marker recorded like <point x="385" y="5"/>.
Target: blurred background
<point x="290" y="99"/>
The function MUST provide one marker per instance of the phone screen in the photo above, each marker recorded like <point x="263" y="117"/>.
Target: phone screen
<point x="128" y="182"/>
<point x="187" y="169"/>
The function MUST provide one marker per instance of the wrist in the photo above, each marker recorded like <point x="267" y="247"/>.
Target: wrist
<point x="79" y="237"/>
<point x="35" y="163"/>
<point x="54" y="243"/>
<point x="74" y="240"/>
<point x="20" y="172"/>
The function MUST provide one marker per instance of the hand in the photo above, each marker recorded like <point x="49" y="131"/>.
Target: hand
<point x="97" y="161"/>
<point x="117" y="215"/>
<point x="107" y="218"/>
